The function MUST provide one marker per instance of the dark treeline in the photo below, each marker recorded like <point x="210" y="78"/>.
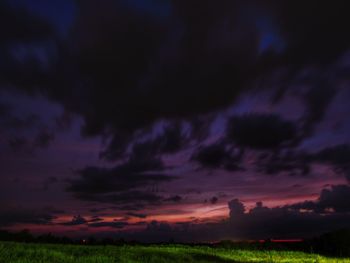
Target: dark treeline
<point x="336" y="243"/>
<point x="26" y="237"/>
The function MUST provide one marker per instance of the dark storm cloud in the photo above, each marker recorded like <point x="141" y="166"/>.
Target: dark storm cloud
<point x="116" y="148"/>
<point x="53" y="210"/>
<point x="43" y="139"/>
<point x="195" y="60"/>
<point x="17" y="143"/>
<point x="264" y="222"/>
<point x="219" y="155"/>
<point x="122" y="69"/>
<point x="261" y="131"/>
<point x="137" y="206"/>
<point x="137" y="215"/>
<point x="135" y="199"/>
<point x="211" y="156"/>
<point x="236" y="208"/>
<point x="12" y="215"/>
<point x="317" y="100"/>
<point x="289" y="221"/>
<point x="182" y="59"/>
<point x="11" y="122"/>
<point x="21" y="30"/>
<point x="214" y="200"/>
<point x="338" y="156"/>
<point x="4" y="109"/>
<point x="97" y="210"/>
<point x="119" y="85"/>
<point x="130" y="175"/>
<point x="95" y="219"/>
<point x="76" y="220"/>
<point x="200" y="126"/>
<point x="314" y="31"/>
<point x="107" y="49"/>
<point x="290" y="162"/>
<point x="294" y="162"/>
<point x="175" y="199"/>
<point x="64" y="121"/>
<point x="115" y="224"/>
<point x="14" y="127"/>
<point x="334" y="199"/>
<point x="19" y="26"/>
<point x="274" y="141"/>
<point x="170" y="140"/>
<point x="48" y="182"/>
<point x="271" y="137"/>
<point x="25" y="144"/>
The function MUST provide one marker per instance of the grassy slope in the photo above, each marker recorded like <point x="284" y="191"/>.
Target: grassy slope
<point x="37" y="253"/>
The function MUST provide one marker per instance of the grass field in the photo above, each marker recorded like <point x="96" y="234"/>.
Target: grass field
<point x="37" y="253"/>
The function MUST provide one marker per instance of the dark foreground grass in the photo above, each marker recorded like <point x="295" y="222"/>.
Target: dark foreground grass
<point x="39" y="253"/>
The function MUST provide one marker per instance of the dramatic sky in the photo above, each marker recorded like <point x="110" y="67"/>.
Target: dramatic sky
<point x="191" y="120"/>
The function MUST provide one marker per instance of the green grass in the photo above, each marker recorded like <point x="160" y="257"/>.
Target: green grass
<point x="38" y="253"/>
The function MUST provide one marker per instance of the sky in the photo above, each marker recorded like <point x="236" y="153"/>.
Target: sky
<point x="191" y="121"/>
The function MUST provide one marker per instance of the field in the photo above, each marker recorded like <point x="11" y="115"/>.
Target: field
<point x="11" y="252"/>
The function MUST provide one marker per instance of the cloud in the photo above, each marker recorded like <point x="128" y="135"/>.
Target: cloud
<point x="53" y="210"/>
<point x="19" y="26"/>
<point x="314" y="31"/>
<point x="21" y="33"/>
<point x="12" y="215"/>
<point x="94" y="222"/>
<point x="138" y="206"/>
<point x="158" y="68"/>
<point x="264" y="222"/>
<point x="114" y="224"/>
<point x="25" y="132"/>
<point x="129" y="200"/>
<point x="329" y="212"/>
<point x="181" y="60"/>
<point x="64" y="121"/>
<point x="170" y="140"/>
<point x="95" y="219"/>
<point x="123" y="70"/>
<point x="175" y="199"/>
<point x="4" y="109"/>
<point x="137" y="215"/>
<point x="17" y="144"/>
<point x="128" y="69"/>
<point x="12" y="122"/>
<point x="48" y="182"/>
<point x="76" y="220"/>
<point x="214" y="200"/>
<point x="43" y="139"/>
<point x="330" y="200"/>
<point x="25" y="144"/>
<point x="338" y="156"/>
<point x="219" y="155"/>
<point x="261" y="131"/>
<point x="267" y="135"/>
<point x="95" y="182"/>
<point x="236" y="208"/>
<point x="291" y="162"/>
<point x="317" y="100"/>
